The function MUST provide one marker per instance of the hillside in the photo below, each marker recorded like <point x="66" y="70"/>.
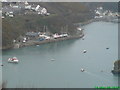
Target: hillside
<point x="62" y="15"/>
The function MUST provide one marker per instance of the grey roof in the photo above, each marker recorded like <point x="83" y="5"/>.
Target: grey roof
<point x="31" y="34"/>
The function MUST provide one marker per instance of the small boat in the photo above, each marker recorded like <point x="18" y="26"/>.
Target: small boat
<point x="37" y="45"/>
<point x="82" y="70"/>
<point x="84" y="51"/>
<point x="52" y="59"/>
<point x="107" y="48"/>
<point x="13" y="60"/>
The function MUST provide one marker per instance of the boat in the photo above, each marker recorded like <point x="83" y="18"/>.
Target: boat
<point x="13" y="60"/>
<point x="107" y="48"/>
<point x="37" y="45"/>
<point x="82" y="70"/>
<point x="84" y="51"/>
<point x="52" y="59"/>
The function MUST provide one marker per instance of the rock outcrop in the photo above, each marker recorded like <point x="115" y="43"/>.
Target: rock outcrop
<point x="116" y="69"/>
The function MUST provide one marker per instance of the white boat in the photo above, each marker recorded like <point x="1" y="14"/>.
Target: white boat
<point x="13" y="60"/>
<point x="37" y="45"/>
<point x="52" y="59"/>
<point x="82" y="70"/>
<point x="84" y="51"/>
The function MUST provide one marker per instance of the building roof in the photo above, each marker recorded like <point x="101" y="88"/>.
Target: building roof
<point x="31" y="34"/>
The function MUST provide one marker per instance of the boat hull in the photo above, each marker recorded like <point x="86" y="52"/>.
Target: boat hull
<point x="13" y="61"/>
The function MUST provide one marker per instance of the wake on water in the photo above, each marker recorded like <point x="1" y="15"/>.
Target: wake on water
<point x="97" y="76"/>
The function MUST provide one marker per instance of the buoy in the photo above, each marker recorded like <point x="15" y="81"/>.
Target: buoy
<point x="2" y="65"/>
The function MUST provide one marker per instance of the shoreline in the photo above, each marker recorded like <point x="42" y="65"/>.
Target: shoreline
<point x="20" y="45"/>
<point x="32" y="43"/>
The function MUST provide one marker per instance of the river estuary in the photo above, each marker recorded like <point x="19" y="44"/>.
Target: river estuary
<point x="36" y="70"/>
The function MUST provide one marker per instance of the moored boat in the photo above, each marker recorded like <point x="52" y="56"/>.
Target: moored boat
<point x="84" y="51"/>
<point x="82" y="70"/>
<point x="13" y="60"/>
<point x="52" y="59"/>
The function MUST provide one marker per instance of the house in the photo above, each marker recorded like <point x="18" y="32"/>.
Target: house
<point x="28" y="7"/>
<point x="55" y="36"/>
<point x="43" y="35"/>
<point x="44" y="11"/>
<point x="2" y="17"/>
<point x="26" y="3"/>
<point x="47" y="37"/>
<point x="32" y="35"/>
<point x="24" y="39"/>
<point x="10" y="14"/>
<point x="37" y="8"/>
<point x="4" y="1"/>
<point x="15" y="6"/>
<point x="47" y="14"/>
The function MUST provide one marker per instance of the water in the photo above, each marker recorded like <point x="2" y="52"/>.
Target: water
<point x="36" y="70"/>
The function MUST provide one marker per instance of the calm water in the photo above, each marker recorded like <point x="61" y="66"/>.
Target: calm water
<point x="36" y="69"/>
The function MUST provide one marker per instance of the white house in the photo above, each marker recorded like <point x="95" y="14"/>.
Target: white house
<point x="15" y="6"/>
<point x="10" y="14"/>
<point x="80" y="29"/>
<point x="38" y="6"/>
<point x="47" y="37"/>
<point x="26" y="3"/>
<point x="4" y="1"/>
<point x="55" y="36"/>
<point x="28" y="7"/>
<point x="44" y="11"/>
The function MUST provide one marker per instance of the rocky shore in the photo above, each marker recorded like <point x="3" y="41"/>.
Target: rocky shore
<point x="116" y="68"/>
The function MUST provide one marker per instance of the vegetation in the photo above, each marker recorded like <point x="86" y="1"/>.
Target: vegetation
<point x="62" y="19"/>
